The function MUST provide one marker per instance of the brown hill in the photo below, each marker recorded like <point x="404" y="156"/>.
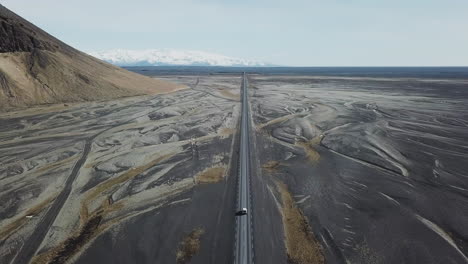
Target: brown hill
<point x="36" y="68"/>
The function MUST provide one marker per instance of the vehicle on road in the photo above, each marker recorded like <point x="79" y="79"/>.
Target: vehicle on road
<point x="243" y="211"/>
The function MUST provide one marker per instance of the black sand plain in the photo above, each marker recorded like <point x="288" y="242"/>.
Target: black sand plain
<point x="376" y="166"/>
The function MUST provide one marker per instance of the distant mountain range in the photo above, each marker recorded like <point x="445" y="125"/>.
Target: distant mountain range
<point x="167" y="57"/>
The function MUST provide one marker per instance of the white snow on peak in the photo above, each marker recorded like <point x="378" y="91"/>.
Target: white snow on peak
<point x="160" y="57"/>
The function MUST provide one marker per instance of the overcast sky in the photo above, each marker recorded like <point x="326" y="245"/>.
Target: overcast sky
<point x="286" y="32"/>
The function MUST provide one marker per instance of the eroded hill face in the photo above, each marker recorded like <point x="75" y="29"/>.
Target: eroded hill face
<point x="36" y="68"/>
<point x="17" y="35"/>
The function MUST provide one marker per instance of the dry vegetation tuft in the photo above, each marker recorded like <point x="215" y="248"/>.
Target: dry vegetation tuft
<point x="189" y="246"/>
<point x="271" y="166"/>
<point x="225" y="131"/>
<point x="211" y="175"/>
<point x="229" y="94"/>
<point x="309" y="148"/>
<point x="64" y="251"/>
<point x="277" y="120"/>
<point x="301" y="245"/>
<point x="56" y="164"/>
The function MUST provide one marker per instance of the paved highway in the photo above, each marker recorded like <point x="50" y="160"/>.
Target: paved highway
<point x="244" y="237"/>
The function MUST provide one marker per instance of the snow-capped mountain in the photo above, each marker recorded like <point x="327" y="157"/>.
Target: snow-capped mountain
<point x="160" y="57"/>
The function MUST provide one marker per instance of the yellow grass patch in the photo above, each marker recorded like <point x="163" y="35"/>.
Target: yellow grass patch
<point x="228" y="94"/>
<point x="56" y="164"/>
<point x="309" y="148"/>
<point x="62" y="252"/>
<point x="189" y="246"/>
<point x="277" y="120"/>
<point x="90" y="165"/>
<point x="271" y="166"/>
<point x="301" y="245"/>
<point x="226" y="131"/>
<point x="211" y="175"/>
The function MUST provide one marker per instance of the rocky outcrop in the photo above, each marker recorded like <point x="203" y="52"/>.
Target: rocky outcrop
<point x="5" y="85"/>
<point x="13" y="40"/>
<point x="17" y="35"/>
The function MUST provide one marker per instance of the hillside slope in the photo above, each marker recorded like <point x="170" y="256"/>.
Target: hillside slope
<point x="36" y="68"/>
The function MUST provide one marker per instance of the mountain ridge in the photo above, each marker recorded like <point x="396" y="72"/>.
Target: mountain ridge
<point x="171" y="57"/>
<point x="37" y="68"/>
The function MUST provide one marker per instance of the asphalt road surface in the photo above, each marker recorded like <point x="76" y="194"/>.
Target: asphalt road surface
<point x="244" y="237"/>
